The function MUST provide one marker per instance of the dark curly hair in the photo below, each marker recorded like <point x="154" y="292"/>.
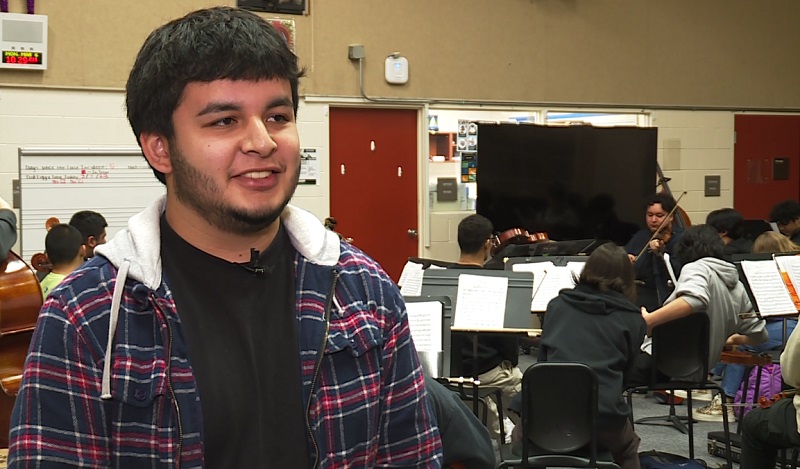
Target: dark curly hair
<point x="203" y="46"/>
<point x="697" y="242"/>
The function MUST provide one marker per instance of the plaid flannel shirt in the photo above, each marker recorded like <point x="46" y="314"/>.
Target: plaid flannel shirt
<point x="362" y="382"/>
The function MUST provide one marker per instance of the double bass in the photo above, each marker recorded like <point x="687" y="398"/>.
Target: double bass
<point x="20" y="302"/>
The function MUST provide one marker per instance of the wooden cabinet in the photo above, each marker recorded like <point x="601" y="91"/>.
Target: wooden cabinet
<point x="443" y="144"/>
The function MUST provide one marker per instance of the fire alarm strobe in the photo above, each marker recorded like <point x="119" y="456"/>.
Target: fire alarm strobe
<point x="396" y="69"/>
<point x="23" y="41"/>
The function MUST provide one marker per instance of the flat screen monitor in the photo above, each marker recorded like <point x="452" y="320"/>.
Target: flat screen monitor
<point x="577" y="182"/>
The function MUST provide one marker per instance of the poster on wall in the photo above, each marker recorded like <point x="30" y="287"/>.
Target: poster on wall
<point x="467" y="148"/>
<point x="309" y="166"/>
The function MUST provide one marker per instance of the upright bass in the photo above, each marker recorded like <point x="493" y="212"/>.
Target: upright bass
<point x="20" y="302"/>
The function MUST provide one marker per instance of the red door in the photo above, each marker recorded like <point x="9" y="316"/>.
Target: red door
<point x="374" y="182"/>
<point x="766" y="168"/>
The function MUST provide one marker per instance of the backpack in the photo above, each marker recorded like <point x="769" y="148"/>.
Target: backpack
<point x="771" y="384"/>
<point x="660" y="460"/>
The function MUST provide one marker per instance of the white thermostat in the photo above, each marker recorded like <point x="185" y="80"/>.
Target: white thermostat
<point x="23" y="41"/>
<point x="396" y="69"/>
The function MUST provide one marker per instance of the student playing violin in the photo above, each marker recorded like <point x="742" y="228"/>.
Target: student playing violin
<point x="653" y="284"/>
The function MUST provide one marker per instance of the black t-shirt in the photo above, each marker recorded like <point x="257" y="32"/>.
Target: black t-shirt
<point x="241" y="332"/>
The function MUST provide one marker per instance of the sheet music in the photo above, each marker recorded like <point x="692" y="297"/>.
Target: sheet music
<point x="549" y="279"/>
<point x="425" y="322"/>
<point x="789" y="266"/>
<point x="480" y="302"/>
<point x="411" y="279"/>
<point x="538" y="269"/>
<point x="768" y="288"/>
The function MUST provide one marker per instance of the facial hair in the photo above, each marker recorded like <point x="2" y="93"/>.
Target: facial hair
<point x="202" y="194"/>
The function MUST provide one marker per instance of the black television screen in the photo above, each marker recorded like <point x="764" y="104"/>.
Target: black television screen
<point x="574" y="182"/>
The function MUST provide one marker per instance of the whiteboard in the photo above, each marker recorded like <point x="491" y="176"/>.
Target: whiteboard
<point x="59" y="181"/>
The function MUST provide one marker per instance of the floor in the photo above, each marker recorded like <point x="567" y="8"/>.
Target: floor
<point x="666" y="438"/>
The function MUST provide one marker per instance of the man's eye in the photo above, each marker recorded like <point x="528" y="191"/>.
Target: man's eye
<point x="278" y="118"/>
<point x="225" y="121"/>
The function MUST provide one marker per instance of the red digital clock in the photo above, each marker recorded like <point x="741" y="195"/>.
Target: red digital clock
<point x="22" y="57"/>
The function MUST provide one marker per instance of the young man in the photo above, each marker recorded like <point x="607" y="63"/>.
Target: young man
<point x="92" y="226"/>
<point x="474" y="242"/>
<point x="497" y="355"/>
<point x="65" y="251"/>
<point x="223" y="327"/>
<point x="729" y="223"/>
<point x="786" y="215"/>
<point x="8" y="228"/>
<point x="707" y="285"/>
<point x="653" y="284"/>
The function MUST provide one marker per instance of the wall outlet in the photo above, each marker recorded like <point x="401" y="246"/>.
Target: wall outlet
<point x="355" y="52"/>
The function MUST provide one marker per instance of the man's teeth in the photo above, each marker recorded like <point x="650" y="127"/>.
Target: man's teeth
<point x="258" y="174"/>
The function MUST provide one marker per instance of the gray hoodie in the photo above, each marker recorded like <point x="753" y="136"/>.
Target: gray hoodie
<point x="712" y="285"/>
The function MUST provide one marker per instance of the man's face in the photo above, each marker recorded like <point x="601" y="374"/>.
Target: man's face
<point x="235" y="154"/>
<point x="654" y="216"/>
<point x="790" y="228"/>
<point x="92" y="242"/>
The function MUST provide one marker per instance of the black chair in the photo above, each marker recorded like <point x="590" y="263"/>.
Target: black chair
<point x="680" y="349"/>
<point x="559" y="418"/>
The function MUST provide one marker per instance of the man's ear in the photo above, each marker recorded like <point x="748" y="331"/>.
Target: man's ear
<point x="156" y="150"/>
<point x="82" y="251"/>
<point x="91" y="241"/>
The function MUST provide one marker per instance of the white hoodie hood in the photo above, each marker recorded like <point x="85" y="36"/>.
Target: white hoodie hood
<point x="136" y="252"/>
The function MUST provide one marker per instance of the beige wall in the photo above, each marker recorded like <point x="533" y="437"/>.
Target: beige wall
<point x="661" y="56"/>
<point x="732" y="53"/>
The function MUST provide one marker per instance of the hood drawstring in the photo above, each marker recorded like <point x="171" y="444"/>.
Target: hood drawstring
<point x="119" y="287"/>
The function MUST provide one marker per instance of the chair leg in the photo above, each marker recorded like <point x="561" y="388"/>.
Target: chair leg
<point x="727" y="429"/>
<point x="691" y="423"/>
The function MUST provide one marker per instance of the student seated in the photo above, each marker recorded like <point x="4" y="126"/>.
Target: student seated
<point x="498" y="355"/>
<point x="765" y="431"/>
<point x="653" y="283"/>
<point x="786" y="215"/>
<point x="8" y="228"/>
<point x="729" y="224"/>
<point x="92" y="226"/>
<point x="64" y="247"/>
<point x="733" y="374"/>
<point x="601" y="306"/>
<point x="707" y="285"/>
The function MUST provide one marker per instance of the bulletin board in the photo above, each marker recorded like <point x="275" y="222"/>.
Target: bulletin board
<point x="59" y="181"/>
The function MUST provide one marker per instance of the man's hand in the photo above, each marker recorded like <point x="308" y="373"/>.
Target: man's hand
<point x="632" y="258"/>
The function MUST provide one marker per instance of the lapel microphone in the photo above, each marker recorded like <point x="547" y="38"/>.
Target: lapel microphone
<point x="253" y="265"/>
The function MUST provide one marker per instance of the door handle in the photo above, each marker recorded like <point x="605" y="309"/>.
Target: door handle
<point x="412" y="233"/>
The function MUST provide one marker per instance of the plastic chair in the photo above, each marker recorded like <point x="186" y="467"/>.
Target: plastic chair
<point x="680" y="348"/>
<point x="559" y="418"/>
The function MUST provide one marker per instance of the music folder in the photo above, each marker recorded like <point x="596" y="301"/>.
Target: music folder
<point x="771" y="282"/>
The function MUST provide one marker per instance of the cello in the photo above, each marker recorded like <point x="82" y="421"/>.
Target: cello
<point x="20" y="302"/>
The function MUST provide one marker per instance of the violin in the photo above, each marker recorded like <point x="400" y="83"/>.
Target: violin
<point x="516" y="236"/>
<point x="738" y="357"/>
<point x="39" y="260"/>
<point x="765" y="402"/>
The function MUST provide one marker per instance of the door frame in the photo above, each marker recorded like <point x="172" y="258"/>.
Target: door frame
<point x="423" y="197"/>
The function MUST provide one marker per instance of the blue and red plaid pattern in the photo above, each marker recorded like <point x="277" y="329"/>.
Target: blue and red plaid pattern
<point x="365" y="395"/>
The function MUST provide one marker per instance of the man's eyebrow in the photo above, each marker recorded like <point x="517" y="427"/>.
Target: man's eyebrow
<point x="217" y="106"/>
<point x="278" y="102"/>
<point x="224" y="106"/>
